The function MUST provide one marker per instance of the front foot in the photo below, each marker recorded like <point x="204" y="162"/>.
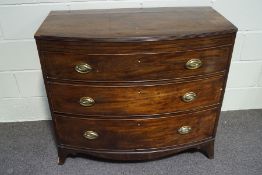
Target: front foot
<point x="208" y="149"/>
<point x="62" y="154"/>
<point x="60" y="161"/>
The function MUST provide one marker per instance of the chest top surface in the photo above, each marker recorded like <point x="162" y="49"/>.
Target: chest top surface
<point x="134" y="24"/>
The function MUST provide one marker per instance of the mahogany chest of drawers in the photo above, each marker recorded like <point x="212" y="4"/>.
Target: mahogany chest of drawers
<point x="135" y="84"/>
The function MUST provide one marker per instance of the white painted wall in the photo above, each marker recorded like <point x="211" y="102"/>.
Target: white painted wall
<point x="22" y="95"/>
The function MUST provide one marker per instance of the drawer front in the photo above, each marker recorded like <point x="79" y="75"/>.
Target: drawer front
<point x="140" y="67"/>
<point x="123" y="134"/>
<point x="134" y="100"/>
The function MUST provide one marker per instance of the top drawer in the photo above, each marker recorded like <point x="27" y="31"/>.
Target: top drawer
<point x="134" y="67"/>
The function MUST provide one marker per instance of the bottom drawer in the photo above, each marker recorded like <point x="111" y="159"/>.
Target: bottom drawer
<point x="126" y="134"/>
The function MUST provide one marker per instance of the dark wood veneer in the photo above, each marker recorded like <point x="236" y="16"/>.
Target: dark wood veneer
<point x="134" y="100"/>
<point x="138" y="58"/>
<point x="136" y="134"/>
<point x="137" y="67"/>
<point x="134" y="25"/>
<point x="159" y="46"/>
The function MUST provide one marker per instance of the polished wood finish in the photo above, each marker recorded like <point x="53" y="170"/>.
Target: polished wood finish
<point x="134" y="24"/>
<point x="138" y="80"/>
<point x="138" y="155"/>
<point x="138" y="67"/>
<point x="135" y="100"/>
<point x="136" y="134"/>
<point x="198" y="42"/>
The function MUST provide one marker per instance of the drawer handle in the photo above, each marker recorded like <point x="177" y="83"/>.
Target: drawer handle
<point x="83" y="68"/>
<point x="189" y="96"/>
<point x="87" y="101"/>
<point x="194" y="64"/>
<point x="184" y="130"/>
<point x="91" y="135"/>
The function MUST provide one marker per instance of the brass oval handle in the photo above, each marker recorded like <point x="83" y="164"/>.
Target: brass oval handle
<point x="83" y="68"/>
<point x="86" y="101"/>
<point x="91" y="135"/>
<point x="189" y="96"/>
<point x="194" y="64"/>
<point x="184" y="130"/>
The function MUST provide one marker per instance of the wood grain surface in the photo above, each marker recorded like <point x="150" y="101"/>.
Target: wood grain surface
<point x="135" y="24"/>
<point x="137" y="81"/>
<point x="134" y="100"/>
<point x="126" y="134"/>
<point x="137" y="67"/>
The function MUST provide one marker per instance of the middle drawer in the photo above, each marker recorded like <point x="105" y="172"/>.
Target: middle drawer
<point x="134" y="100"/>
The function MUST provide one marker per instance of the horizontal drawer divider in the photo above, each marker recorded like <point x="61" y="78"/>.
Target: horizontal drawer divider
<point x="153" y="116"/>
<point x="135" y="83"/>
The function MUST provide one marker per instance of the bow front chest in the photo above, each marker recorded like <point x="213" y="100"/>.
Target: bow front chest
<point x="135" y="84"/>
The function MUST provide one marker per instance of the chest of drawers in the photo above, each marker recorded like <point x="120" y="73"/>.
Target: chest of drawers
<point x="135" y="84"/>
